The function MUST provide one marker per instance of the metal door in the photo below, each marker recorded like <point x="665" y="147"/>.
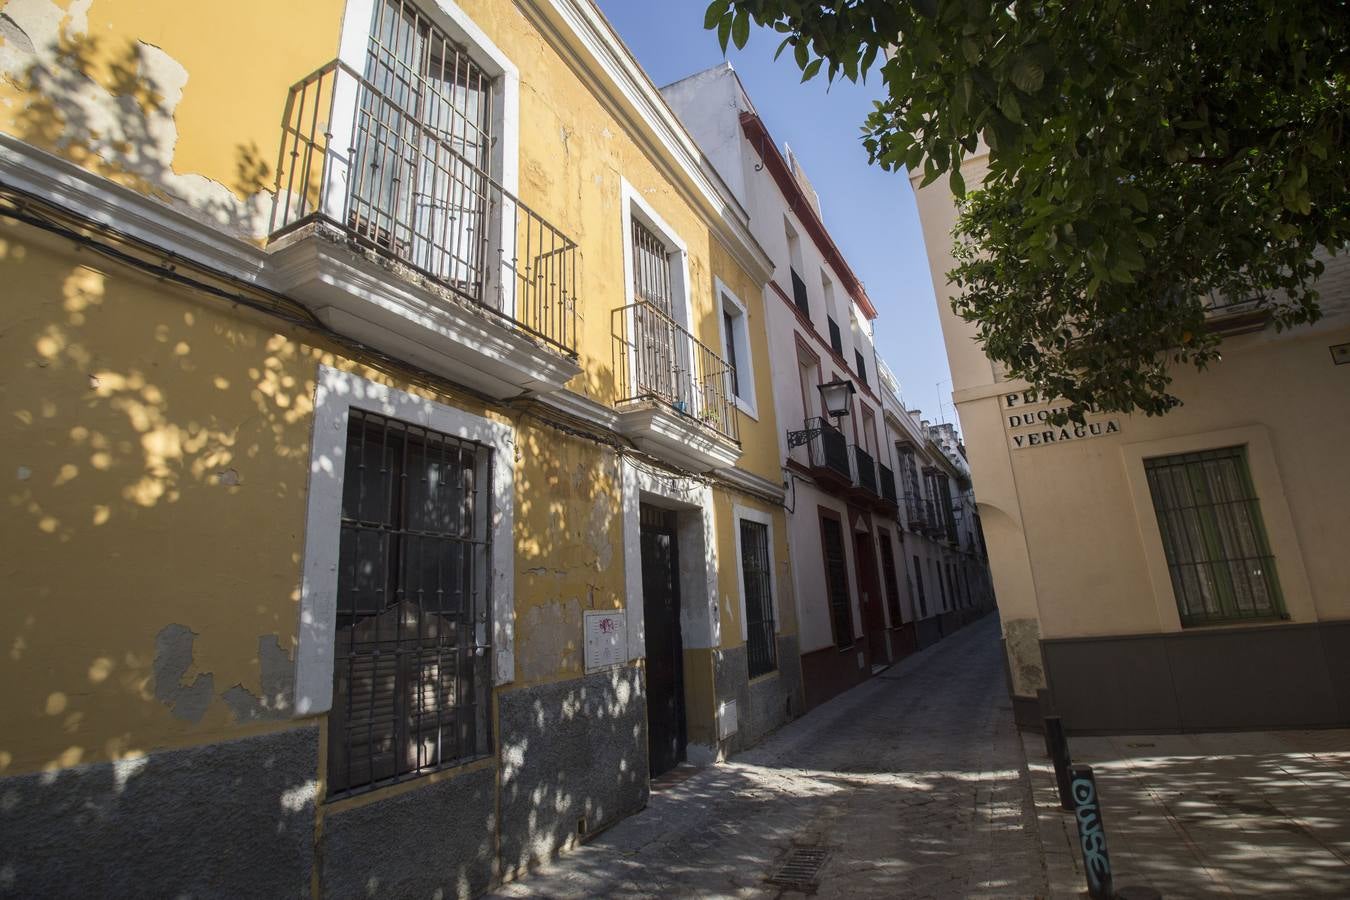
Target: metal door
<point x="666" y="736"/>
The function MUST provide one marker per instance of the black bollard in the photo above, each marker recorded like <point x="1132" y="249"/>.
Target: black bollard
<point x="1057" y="747"/>
<point x="1091" y="833"/>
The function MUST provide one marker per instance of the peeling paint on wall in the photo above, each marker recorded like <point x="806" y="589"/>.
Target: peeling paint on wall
<point x="173" y="658"/>
<point x="119" y="122"/>
<point x="277" y="686"/>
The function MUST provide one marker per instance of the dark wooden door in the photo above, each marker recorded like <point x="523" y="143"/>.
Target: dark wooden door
<point x="874" y="619"/>
<point x="665" y="650"/>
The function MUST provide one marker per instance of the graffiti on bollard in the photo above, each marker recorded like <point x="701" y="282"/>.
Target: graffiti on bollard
<point x="1091" y="832"/>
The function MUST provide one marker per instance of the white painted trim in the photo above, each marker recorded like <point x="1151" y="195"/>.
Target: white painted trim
<point x="336" y="394"/>
<point x="580" y="32"/>
<point x="701" y="626"/>
<point x="635" y="206"/>
<point x="744" y="354"/>
<point x="751" y="514"/>
<point x="64" y="184"/>
<point x="581" y="407"/>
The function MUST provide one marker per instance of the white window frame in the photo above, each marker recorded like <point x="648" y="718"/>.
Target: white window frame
<point x="747" y="401"/>
<point x="337" y="393"/>
<point x="759" y="517"/>
<point x="504" y="105"/>
<point x="635" y="207"/>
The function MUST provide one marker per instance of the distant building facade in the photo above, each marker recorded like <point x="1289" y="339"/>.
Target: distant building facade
<point x="1185" y="572"/>
<point x="873" y="581"/>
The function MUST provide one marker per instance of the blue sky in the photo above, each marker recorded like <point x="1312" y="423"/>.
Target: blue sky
<point x="870" y="213"/>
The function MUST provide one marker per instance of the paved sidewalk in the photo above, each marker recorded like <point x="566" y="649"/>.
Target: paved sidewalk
<point x="914" y="781"/>
<point x="1244" y="814"/>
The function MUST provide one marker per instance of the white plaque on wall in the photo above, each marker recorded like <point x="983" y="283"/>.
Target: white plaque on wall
<point x="606" y="639"/>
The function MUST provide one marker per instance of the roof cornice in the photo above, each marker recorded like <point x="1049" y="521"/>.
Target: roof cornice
<point x="584" y="37"/>
<point x="758" y="135"/>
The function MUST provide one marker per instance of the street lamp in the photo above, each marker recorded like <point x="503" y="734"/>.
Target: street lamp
<point x="835" y="397"/>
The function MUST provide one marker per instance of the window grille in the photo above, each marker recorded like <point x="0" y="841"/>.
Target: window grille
<point x="1214" y="538"/>
<point x="861" y="363"/>
<point x="836" y="577"/>
<point x="411" y="659"/>
<point x="892" y="583"/>
<point x="799" y="294"/>
<point x="424" y="133"/>
<point x="729" y="330"/>
<point x="651" y="269"/>
<point x="758" y="598"/>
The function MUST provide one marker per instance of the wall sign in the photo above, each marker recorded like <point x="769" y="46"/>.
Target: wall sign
<point x="1026" y="418"/>
<point x="606" y="638"/>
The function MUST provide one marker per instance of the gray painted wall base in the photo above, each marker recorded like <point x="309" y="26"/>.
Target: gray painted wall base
<point x="570" y="751"/>
<point x="1282" y="676"/>
<point x="231" y="819"/>
<point x="767" y="703"/>
<point x="437" y="840"/>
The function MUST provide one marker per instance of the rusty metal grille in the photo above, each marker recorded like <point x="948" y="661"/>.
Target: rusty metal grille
<point x="801" y="868"/>
<point x="759" y="624"/>
<point x="1214" y="537"/>
<point x="411" y="657"/>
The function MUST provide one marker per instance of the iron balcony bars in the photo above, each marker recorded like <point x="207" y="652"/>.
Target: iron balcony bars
<point x="866" y="470"/>
<point x="887" y="479"/>
<point x="393" y="177"/>
<point x="659" y="360"/>
<point x="827" y="448"/>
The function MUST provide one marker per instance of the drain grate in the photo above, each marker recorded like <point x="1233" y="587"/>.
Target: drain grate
<point x="801" y="868"/>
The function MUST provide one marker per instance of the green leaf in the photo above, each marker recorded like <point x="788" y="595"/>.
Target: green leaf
<point x="724" y="31"/>
<point x="740" y="29"/>
<point x="957" y="182"/>
<point x="1028" y="76"/>
<point x="716" y="9"/>
<point x="799" y="53"/>
<point x="811" y="69"/>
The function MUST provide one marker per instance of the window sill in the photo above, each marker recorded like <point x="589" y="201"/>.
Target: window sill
<point x="766" y="676"/>
<point x="390" y="788"/>
<point x="1273" y="619"/>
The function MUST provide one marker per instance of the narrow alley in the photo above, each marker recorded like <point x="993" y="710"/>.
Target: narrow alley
<point x="912" y="783"/>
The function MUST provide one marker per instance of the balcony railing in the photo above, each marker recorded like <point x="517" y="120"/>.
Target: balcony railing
<point x="886" y="478"/>
<point x="866" y="470"/>
<point x="919" y="514"/>
<point x="829" y="450"/>
<point x="659" y="361"/>
<point x="402" y="186"/>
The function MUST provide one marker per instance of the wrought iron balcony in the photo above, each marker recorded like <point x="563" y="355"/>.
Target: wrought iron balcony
<point x="866" y="471"/>
<point x="398" y="181"/>
<point x="659" y="362"/>
<point x="827" y="451"/>
<point x="886" y="479"/>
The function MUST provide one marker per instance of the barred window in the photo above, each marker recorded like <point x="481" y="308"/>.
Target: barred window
<point x="759" y="622"/>
<point x="836" y="580"/>
<point x="892" y="583"/>
<point x="1214" y="538"/>
<point x="652" y="281"/>
<point x="923" y="600"/>
<point x="411" y="666"/>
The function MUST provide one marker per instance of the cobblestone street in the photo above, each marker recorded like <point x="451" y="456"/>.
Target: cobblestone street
<point x="912" y="781"/>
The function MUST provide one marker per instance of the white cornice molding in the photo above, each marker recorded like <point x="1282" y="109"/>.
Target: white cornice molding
<point x="62" y="183"/>
<point x="752" y="483"/>
<point x="581" y="408"/>
<point x="579" y="28"/>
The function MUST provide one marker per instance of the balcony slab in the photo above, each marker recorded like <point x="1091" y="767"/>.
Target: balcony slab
<point x="675" y="437"/>
<point x="392" y="308"/>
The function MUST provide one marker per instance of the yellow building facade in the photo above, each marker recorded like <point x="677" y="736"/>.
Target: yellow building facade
<point x="384" y="507"/>
<point x="1176" y="573"/>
